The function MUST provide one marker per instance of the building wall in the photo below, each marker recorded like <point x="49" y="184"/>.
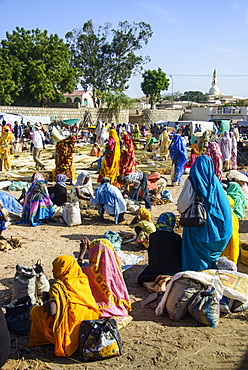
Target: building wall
<point x="67" y="113"/>
<point x="213" y="113"/>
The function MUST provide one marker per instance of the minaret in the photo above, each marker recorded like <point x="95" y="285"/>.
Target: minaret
<point x="214" y="91"/>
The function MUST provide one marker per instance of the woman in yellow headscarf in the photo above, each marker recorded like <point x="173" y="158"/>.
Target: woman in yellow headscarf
<point x="70" y="302"/>
<point x="143" y="226"/>
<point x="110" y="166"/>
<point x="5" y="140"/>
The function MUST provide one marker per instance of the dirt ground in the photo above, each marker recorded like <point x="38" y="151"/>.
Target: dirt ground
<point x="149" y="342"/>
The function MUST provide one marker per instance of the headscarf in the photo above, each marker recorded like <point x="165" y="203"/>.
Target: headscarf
<point x="113" y="171"/>
<point x="74" y="301"/>
<point x="178" y="147"/>
<point x="235" y="192"/>
<point x="106" y="279"/>
<point x="37" y="176"/>
<point x="166" y="222"/>
<point x="6" y="135"/>
<point x="80" y="182"/>
<point x="144" y="214"/>
<point x="213" y="151"/>
<point x="60" y="180"/>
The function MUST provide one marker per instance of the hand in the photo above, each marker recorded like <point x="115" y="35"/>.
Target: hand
<point x="84" y="245"/>
<point x="45" y="297"/>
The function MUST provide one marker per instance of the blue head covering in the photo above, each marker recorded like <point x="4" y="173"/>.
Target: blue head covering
<point x="166" y="222"/>
<point x="178" y="147"/>
<point x="60" y="180"/>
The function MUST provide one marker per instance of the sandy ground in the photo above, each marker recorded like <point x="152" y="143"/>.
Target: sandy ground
<point x="148" y="341"/>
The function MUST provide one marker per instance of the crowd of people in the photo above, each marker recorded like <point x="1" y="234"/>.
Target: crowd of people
<point x="98" y="290"/>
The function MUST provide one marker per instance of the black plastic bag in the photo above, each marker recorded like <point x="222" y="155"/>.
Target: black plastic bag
<point x="18" y="314"/>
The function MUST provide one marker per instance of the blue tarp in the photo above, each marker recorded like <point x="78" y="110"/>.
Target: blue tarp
<point x="10" y="203"/>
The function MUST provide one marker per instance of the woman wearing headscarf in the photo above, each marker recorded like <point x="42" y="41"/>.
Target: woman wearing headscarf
<point x="128" y="161"/>
<point x="241" y="179"/>
<point x="37" y="204"/>
<point x="6" y="139"/>
<point x="105" y="277"/>
<point x="164" y="144"/>
<point x="213" y="151"/>
<point x="69" y="302"/>
<point x="234" y="151"/>
<point x="232" y="249"/>
<point x="58" y="192"/>
<point x="110" y="165"/>
<point x="179" y="155"/>
<point x="201" y="246"/>
<point x="64" y="158"/>
<point x="136" y="131"/>
<point x="143" y="226"/>
<point x="202" y="143"/>
<point x="235" y="192"/>
<point x="82" y="190"/>
<point x="164" y="252"/>
<point x="225" y="143"/>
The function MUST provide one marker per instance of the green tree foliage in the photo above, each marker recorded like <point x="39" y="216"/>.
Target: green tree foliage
<point x="116" y="100"/>
<point x="175" y="97"/>
<point x="154" y="81"/>
<point x="194" y="96"/>
<point x="35" y="68"/>
<point x="107" y="57"/>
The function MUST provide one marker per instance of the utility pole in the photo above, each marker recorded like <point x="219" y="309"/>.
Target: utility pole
<point x="172" y="90"/>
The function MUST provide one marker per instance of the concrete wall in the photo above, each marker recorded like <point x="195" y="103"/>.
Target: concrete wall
<point x="213" y="113"/>
<point x="67" y="113"/>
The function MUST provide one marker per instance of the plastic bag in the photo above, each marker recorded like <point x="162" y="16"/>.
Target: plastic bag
<point x="24" y="283"/>
<point x="99" y="339"/>
<point x="71" y="214"/>
<point x="17" y="314"/>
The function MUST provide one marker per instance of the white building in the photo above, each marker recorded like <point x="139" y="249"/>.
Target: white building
<point x="82" y="97"/>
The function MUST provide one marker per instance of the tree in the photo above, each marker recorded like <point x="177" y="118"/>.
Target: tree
<point x="175" y="97"/>
<point x="116" y="100"/>
<point x="194" y="96"/>
<point x="36" y="68"/>
<point x="107" y="57"/>
<point x="154" y="81"/>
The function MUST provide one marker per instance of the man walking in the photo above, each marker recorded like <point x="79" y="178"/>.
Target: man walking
<point x="38" y="139"/>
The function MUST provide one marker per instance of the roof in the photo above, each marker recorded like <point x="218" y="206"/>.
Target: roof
<point x="77" y="93"/>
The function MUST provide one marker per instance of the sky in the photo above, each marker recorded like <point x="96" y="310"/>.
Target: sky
<point x="190" y="38"/>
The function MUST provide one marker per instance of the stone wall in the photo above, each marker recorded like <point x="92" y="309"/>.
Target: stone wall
<point x="153" y="115"/>
<point x="67" y="113"/>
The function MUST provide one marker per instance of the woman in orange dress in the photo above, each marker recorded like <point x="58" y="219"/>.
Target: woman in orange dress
<point x="69" y="303"/>
<point x="128" y="161"/>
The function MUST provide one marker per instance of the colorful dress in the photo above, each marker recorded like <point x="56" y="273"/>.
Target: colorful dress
<point x="213" y="151"/>
<point x="75" y="303"/>
<point x="64" y="158"/>
<point x="106" y="280"/>
<point x="143" y="227"/>
<point x="110" y="165"/>
<point x="128" y="161"/>
<point x="178" y="154"/>
<point x="37" y="204"/>
<point x="164" y="144"/>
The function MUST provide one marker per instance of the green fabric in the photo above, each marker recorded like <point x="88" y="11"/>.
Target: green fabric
<point x="235" y="192"/>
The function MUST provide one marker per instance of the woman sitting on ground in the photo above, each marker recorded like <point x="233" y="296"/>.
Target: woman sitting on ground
<point x="37" y="204"/>
<point x="105" y="277"/>
<point x="143" y="226"/>
<point x="82" y="190"/>
<point x="58" y="192"/>
<point x="235" y="192"/>
<point x="164" y="252"/>
<point x="68" y="303"/>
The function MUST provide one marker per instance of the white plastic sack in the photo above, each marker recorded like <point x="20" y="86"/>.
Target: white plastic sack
<point x="71" y="214"/>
